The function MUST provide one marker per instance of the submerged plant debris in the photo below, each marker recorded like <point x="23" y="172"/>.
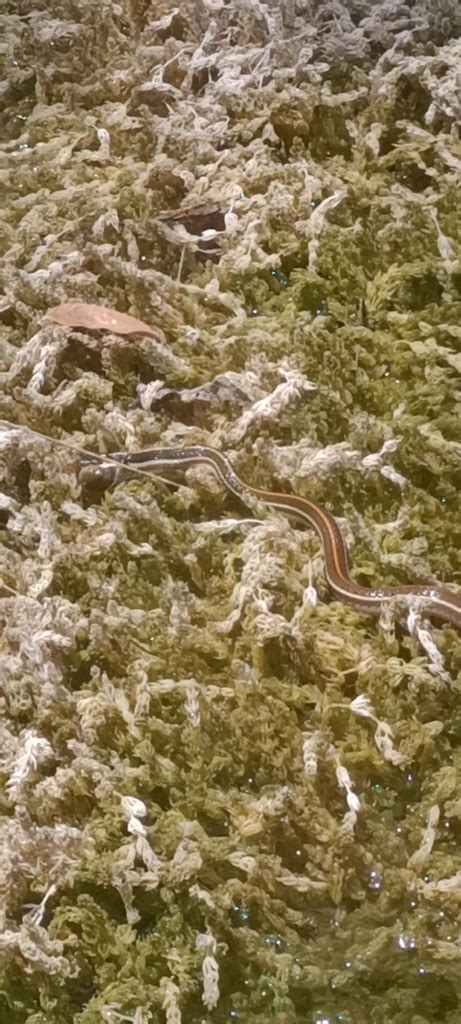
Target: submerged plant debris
<point x="226" y="797"/>
<point x="97" y="318"/>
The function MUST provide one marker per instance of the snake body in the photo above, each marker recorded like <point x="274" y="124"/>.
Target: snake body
<point x="439" y="602"/>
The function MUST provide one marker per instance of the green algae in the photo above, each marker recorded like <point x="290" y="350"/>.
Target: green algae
<point x="202" y="818"/>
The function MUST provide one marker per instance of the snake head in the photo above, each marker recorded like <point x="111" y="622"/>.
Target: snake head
<point x="96" y="476"/>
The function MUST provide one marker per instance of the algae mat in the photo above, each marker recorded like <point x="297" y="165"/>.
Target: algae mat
<point x="226" y="797"/>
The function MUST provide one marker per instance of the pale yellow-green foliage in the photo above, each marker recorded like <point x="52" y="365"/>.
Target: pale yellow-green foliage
<point x="222" y="801"/>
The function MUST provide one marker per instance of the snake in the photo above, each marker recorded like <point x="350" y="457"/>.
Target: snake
<point x="437" y="601"/>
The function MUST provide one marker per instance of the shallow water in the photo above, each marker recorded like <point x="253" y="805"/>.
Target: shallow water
<point x="226" y="796"/>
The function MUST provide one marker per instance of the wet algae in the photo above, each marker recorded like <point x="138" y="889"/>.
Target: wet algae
<point x="226" y="797"/>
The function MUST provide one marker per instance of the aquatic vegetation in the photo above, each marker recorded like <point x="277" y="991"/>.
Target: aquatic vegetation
<point x="226" y="797"/>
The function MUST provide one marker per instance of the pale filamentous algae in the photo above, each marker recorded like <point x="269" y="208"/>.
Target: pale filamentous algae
<point x="228" y="798"/>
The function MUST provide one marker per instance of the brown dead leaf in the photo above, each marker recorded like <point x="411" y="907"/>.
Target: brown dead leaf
<point x="197" y="218"/>
<point x="97" y="318"/>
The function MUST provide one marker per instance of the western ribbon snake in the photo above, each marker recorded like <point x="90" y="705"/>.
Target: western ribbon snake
<point x="438" y="601"/>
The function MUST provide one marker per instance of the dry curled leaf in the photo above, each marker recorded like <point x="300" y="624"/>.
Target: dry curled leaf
<point x="97" y="318"/>
<point x="196" y="218"/>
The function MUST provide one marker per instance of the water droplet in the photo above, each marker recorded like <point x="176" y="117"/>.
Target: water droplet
<point x="313" y="203"/>
<point x="443" y="501"/>
<point x="374" y="880"/>
<point x="242" y="913"/>
<point x="233" y="1014"/>
<point x="254" y="311"/>
<point x="406" y="942"/>
<point x="274" y="272"/>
